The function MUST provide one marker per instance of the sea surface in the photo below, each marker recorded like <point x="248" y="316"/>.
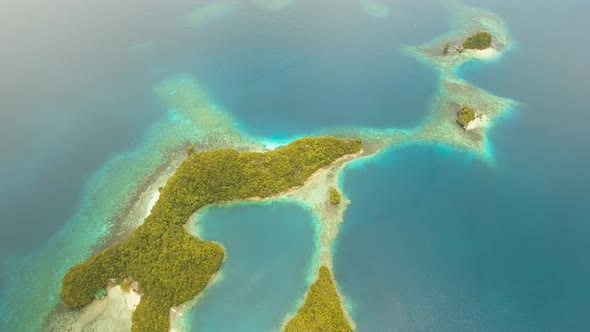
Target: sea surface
<point x="435" y="239"/>
<point x="270" y="248"/>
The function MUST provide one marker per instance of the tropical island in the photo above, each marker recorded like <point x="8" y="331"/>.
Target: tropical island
<point x="334" y="196"/>
<point x="478" y="41"/>
<point x="469" y="118"/>
<point x="171" y="266"/>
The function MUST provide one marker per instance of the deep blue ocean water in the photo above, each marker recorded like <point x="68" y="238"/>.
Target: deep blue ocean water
<point x="311" y="67"/>
<point x="434" y="239"/>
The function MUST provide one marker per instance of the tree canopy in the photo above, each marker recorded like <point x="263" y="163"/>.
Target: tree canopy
<point x="478" y="41"/>
<point x="334" y="196"/>
<point x="321" y="311"/>
<point x="465" y="115"/>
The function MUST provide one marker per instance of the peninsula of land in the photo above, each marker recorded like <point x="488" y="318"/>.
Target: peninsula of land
<point x="171" y="266"/>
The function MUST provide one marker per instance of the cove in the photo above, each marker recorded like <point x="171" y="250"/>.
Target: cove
<point x="269" y="247"/>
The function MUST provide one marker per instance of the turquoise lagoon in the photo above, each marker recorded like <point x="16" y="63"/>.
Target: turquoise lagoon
<point x="270" y="249"/>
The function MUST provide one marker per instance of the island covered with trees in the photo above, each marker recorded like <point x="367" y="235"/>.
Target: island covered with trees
<point x="321" y="311"/>
<point x="469" y="118"/>
<point x="171" y="266"/>
<point x="465" y="115"/>
<point x="334" y="196"/>
<point x="478" y="41"/>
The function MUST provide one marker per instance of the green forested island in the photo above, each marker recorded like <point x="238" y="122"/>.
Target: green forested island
<point x="465" y="115"/>
<point x="321" y="311"/>
<point x="478" y="41"/>
<point x="334" y="196"/>
<point x="172" y="266"/>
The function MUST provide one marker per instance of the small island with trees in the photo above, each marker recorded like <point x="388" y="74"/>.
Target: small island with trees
<point x="171" y="266"/>
<point x="469" y="118"/>
<point x="478" y="41"/>
<point x="334" y="196"/>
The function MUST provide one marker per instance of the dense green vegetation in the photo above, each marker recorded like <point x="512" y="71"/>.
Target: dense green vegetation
<point x="172" y="266"/>
<point x="465" y="115"/>
<point x="334" y="196"/>
<point x="321" y="310"/>
<point x="478" y="41"/>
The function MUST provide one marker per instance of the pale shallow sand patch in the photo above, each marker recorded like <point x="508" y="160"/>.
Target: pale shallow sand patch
<point x="90" y="313"/>
<point x="315" y="193"/>
<point x="479" y="122"/>
<point x="217" y="129"/>
<point x="486" y="54"/>
<point x="116" y="318"/>
<point x="147" y="199"/>
<point x="132" y="298"/>
<point x="113" y="313"/>
<point x="272" y="144"/>
<point x="63" y="322"/>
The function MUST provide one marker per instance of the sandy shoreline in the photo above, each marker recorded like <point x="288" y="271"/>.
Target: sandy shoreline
<point x="485" y="54"/>
<point x="119" y="305"/>
<point x="112" y="313"/>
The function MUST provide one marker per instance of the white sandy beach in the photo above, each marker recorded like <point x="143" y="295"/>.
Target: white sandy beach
<point x="485" y="54"/>
<point x="113" y="313"/>
<point x="117" y="317"/>
<point x="90" y="313"/>
<point x="132" y="299"/>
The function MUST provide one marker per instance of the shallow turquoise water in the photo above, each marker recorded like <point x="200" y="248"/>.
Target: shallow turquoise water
<point x="270" y="248"/>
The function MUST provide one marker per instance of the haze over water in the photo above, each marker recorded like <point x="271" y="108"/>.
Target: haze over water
<point x="433" y="240"/>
